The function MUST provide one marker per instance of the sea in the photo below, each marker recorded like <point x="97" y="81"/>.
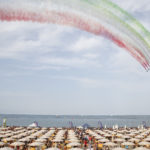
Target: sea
<point x="75" y="120"/>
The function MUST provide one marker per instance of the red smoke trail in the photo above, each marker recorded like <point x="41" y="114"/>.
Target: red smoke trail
<point x="71" y="19"/>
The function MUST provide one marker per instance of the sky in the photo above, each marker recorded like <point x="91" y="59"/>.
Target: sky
<point x="53" y="69"/>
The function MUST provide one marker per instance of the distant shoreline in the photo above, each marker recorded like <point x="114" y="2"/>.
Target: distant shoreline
<point x="76" y="120"/>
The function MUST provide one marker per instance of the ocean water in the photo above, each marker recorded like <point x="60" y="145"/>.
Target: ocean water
<point x="64" y="121"/>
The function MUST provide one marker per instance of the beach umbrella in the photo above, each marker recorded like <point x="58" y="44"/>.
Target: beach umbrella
<point x="141" y="148"/>
<point x="148" y="136"/>
<point x="2" y="143"/>
<point x="52" y="128"/>
<point x="31" y="137"/>
<point x="44" y="128"/>
<point x="119" y="135"/>
<point x="107" y="135"/>
<point x="17" y="136"/>
<point x="113" y="133"/>
<point x="75" y="149"/>
<point x="57" y="140"/>
<point x="139" y="137"/>
<point x="110" y="144"/>
<point x="53" y="148"/>
<point x="144" y="143"/>
<point x="45" y="137"/>
<point x="41" y="140"/>
<point x="134" y="140"/>
<point x="147" y="139"/>
<point x="6" y="148"/>
<point x="118" y="140"/>
<point x="3" y="136"/>
<point x="80" y="127"/>
<point x="36" y="144"/>
<point x="128" y="144"/>
<point x="73" y="144"/>
<point x="100" y="132"/>
<point x="24" y="140"/>
<point x="144" y="134"/>
<point x="17" y="144"/>
<point x="126" y="137"/>
<point x="74" y="140"/>
<point x="8" y="140"/>
<point x="72" y="137"/>
<point x="131" y="135"/>
<point x="103" y="140"/>
<point x="99" y="137"/>
<point x="119" y="148"/>
<point x="123" y="131"/>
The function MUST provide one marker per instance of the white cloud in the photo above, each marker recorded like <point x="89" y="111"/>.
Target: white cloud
<point x="69" y="62"/>
<point x="21" y="38"/>
<point x="127" y="85"/>
<point x="123" y="59"/>
<point x="44" y="43"/>
<point x="133" y="5"/>
<point x="86" y="43"/>
<point x="91" y="55"/>
<point x="45" y="67"/>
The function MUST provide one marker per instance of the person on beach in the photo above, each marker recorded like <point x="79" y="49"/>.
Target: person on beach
<point x="85" y="143"/>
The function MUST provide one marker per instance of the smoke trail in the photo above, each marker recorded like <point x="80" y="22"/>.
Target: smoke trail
<point x="82" y="14"/>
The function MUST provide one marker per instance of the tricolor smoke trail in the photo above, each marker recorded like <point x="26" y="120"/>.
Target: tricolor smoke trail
<point x="100" y="17"/>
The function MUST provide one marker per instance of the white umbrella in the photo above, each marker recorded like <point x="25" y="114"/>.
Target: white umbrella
<point x="24" y="140"/>
<point x="57" y="140"/>
<point x="104" y="140"/>
<point x="17" y="144"/>
<point x="73" y="144"/>
<point x="33" y="125"/>
<point x="110" y="144"/>
<point x="31" y="137"/>
<point x="70" y="138"/>
<point x="119" y="140"/>
<point x="3" y="136"/>
<point x="75" y="149"/>
<point x="128" y="144"/>
<point x="119" y="135"/>
<point x="41" y="140"/>
<point x="36" y="144"/>
<point x="45" y="137"/>
<point x="134" y="140"/>
<point x="119" y="148"/>
<point x="80" y="127"/>
<point x="8" y="139"/>
<point x="107" y="135"/>
<point x="74" y="140"/>
<point x="147" y="139"/>
<point x="6" y="148"/>
<point x="141" y="148"/>
<point x="17" y="136"/>
<point x="131" y="134"/>
<point x="2" y="143"/>
<point x="99" y="137"/>
<point x="126" y="137"/>
<point x="53" y="148"/>
<point x="144" y="143"/>
<point x="139" y="137"/>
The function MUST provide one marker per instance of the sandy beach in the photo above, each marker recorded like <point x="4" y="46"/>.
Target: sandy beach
<point x="36" y="138"/>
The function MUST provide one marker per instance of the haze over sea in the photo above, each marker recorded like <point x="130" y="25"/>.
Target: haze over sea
<point x="77" y="120"/>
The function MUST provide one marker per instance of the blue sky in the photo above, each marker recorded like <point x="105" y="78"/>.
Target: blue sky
<point x="52" y="69"/>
